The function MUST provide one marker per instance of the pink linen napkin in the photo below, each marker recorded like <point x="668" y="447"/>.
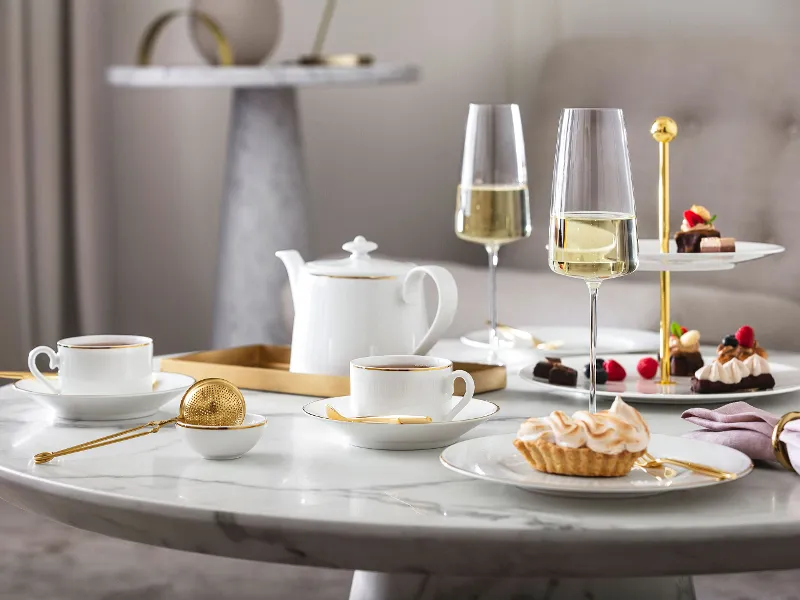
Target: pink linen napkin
<point x="745" y="428"/>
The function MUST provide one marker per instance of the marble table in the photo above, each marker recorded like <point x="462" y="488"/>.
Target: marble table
<point x="265" y="198"/>
<point x="408" y="526"/>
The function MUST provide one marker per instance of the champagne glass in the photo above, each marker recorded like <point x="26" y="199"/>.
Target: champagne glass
<point x="592" y="213"/>
<point x="492" y="207"/>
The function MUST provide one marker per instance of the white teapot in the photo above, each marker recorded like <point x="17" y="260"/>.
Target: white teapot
<point x="362" y="306"/>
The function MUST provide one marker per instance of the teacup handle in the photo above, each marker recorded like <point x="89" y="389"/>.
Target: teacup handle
<point x="54" y="364"/>
<point x="470" y="385"/>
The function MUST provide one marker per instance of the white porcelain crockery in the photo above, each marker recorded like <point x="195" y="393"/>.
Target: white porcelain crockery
<point x="494" y="458"/>
<point x="362" y="306"/>
<point x="383" y="436"/>
<point x="223" y="442"/>
<point x="635" y="389"/>
<point x="407" y="385"/>
<point x="98" y="364"/>
<point x="114" y="407"/>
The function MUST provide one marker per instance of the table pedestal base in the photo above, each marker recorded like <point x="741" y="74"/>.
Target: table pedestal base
<point x="263" y="210"/>
<point x="386" y="586"/>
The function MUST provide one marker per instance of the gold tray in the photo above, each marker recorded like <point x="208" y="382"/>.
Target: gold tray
<point x="267" y="368"/>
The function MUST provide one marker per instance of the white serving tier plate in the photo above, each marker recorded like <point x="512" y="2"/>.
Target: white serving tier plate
<point x="384" y="436"/>
<point x="636" y="389"/>
<point x="75" y="407"/>
<point x="494" y="458"/>
<point x="610" y="340"/>
<point x="651" y="259"/>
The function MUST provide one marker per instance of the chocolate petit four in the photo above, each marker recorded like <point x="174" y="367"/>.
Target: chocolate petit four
<point x="697" y="225"/>
<point x="717" y="244"/>
<point x="684" y="349"/>
<point x="563" y="375"/>
<point x="542" y="369"/>
<point x="735" y="375"/>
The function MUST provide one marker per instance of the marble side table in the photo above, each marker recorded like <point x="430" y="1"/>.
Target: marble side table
<point x="266" y="196"/>
<point x="410" y="528"/>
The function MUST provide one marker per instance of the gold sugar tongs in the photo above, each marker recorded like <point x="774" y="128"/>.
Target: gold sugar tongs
<point x="209" y="402"/>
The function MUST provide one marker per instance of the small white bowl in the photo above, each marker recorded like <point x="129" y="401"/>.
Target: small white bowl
<point x="223" y="443"/>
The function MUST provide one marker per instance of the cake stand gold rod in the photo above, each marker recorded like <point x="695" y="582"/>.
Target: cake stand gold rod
<point x="664" y="131"/>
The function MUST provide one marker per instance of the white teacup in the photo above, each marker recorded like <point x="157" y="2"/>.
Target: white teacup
<point x="99" y="364"/>
<point x="407" y="385"/>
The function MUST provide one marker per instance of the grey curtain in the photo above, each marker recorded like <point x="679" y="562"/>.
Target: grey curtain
<point x="55" y="231"/>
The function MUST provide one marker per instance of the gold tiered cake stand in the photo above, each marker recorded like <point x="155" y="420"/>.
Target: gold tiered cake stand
<point x="664" y="130"/>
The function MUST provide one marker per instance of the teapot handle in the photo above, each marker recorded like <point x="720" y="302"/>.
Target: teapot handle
<point x="448" y="302"/>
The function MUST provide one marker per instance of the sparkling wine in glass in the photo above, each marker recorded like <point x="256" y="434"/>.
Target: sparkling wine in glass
<point x="492" y="207"/>
<point x="592" y="214"/>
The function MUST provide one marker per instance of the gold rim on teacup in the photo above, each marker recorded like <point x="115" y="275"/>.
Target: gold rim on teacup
<point x="141" y="342"/>
<point x="402" y="366"/>
<point x="399" y="369"/>
<point x="778" y="447"/>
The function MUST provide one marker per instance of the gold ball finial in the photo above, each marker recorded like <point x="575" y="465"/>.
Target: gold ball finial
<point x="664" y="129"/>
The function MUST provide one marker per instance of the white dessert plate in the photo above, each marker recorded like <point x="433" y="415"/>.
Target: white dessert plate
<point x="610" y="340"/>
<point x="383" y="436"/>
<point x="636" y="389"/>
<point x="651" y="259"/>
<point x="74" y="407"/>
<point x="494" y="458"/>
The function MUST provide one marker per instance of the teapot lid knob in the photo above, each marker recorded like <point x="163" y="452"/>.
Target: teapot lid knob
<point x="360" y="247"/>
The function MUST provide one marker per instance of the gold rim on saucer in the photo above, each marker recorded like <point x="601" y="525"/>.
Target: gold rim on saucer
<point x="778" y="447"/>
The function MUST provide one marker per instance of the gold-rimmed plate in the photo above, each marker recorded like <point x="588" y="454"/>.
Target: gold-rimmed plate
<point x="494" y="458"/>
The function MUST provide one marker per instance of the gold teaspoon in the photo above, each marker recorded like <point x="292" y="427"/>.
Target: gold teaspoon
<point x="335" y="415"/>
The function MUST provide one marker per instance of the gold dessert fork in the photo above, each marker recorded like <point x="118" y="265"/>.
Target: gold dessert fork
<point x="648" y="461"/>
<point x="335" y="415"/>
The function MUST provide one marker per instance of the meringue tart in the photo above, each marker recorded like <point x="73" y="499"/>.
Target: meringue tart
<point x="604" y="444"/>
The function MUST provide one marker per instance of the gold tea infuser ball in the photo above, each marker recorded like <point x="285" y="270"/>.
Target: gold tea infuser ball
<point x="213" y="402"/>
<point x="209" y="402"/>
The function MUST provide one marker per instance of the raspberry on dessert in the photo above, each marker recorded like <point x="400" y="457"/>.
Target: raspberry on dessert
<point x="745" y="336"/>
<point x="647" y="367"/>
<point x="692" y="218"/>
<point x="615" y="370"/>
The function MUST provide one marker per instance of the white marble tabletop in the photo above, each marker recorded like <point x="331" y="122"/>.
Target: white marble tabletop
<point x="265" y="76"/>
<point x="302" y="497"/>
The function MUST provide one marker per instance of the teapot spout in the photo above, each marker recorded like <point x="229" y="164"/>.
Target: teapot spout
<point x="293" y="263"/>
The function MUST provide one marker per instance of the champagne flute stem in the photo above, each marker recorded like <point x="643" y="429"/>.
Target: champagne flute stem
<point x="593" y="288"/>
<point x="492" y="250"/>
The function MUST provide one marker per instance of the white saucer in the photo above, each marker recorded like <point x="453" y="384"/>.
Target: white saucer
<point x="636" y="389"/>
<point x="107" y="408"/>
<point x="382" y="436"/>
<point x="610" y="340"/>
<point x="651" y="259"/>
<point x="494" y="458"/>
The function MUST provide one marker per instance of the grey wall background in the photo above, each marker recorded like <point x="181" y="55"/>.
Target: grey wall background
<point x="382" y="162"/>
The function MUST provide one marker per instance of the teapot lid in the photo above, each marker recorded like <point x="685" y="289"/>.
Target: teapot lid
<point x="360" y="265"/>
